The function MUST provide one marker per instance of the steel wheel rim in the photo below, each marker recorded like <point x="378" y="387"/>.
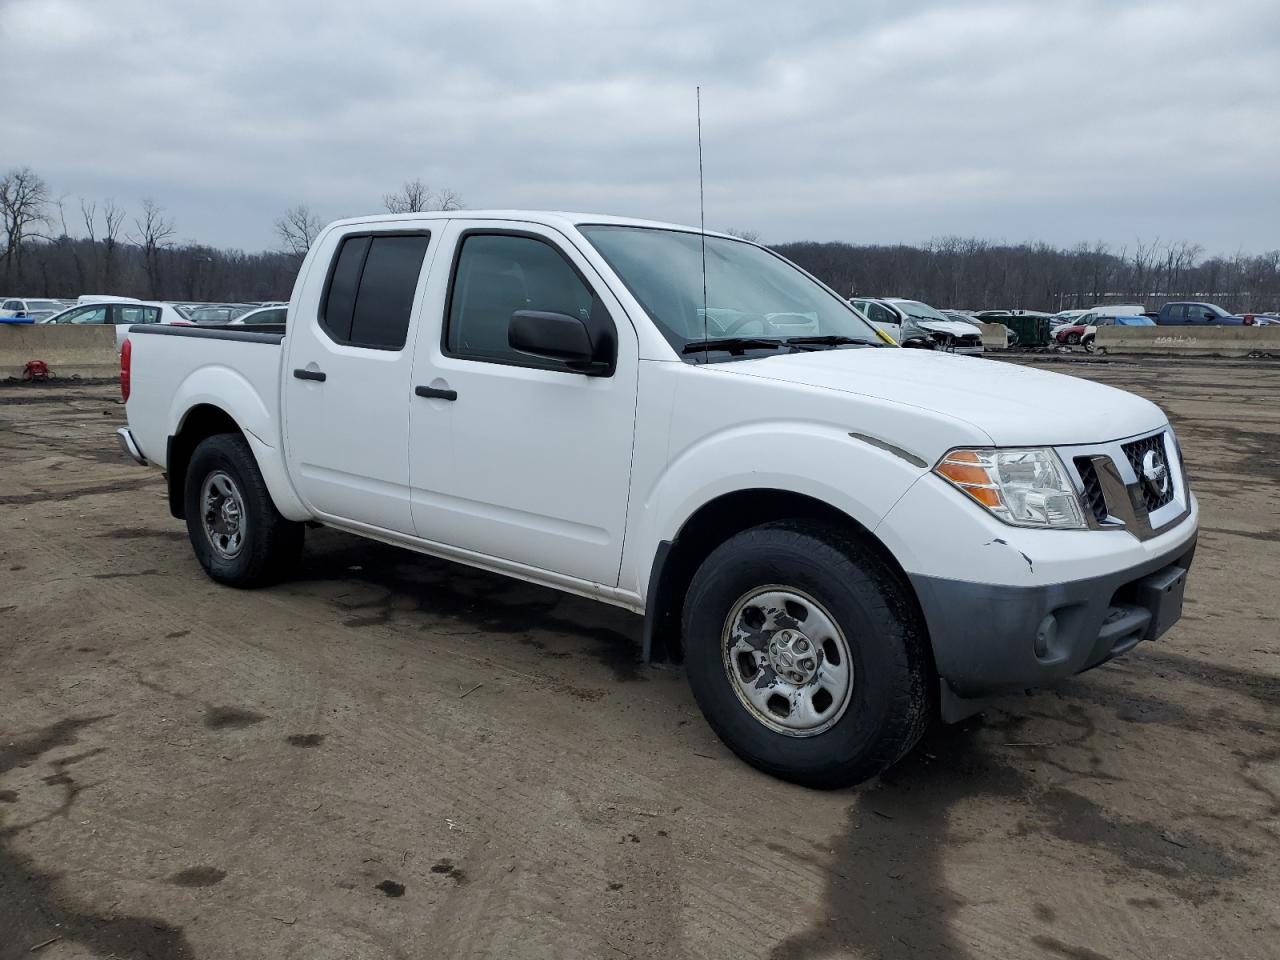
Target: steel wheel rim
<point x="787" y="661"/>
<point x="222" y="515"/>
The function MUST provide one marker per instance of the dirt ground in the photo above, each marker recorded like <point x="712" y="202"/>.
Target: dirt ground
<point x="390" y="756"/>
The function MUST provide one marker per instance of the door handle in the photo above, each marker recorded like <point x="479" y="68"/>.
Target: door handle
<point x="310" y="375"/>
<point x="436" y="393"/>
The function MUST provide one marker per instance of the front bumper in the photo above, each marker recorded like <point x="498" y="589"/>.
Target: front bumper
<point x="990" y="639"/>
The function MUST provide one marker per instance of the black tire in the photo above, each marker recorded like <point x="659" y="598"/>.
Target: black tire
<point x="1087" y="343"/>
<point x="271" y="543"/>
<point x="891" y="702"/>
<point x="1073" y="338"/>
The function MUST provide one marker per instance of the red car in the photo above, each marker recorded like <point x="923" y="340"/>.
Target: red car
<point x="1071" y="334"/>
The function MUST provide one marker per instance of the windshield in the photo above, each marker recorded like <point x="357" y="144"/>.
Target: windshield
<point x="43" y="305"/>
<point x="917" y="310"/>
<point x="749" y="291"/>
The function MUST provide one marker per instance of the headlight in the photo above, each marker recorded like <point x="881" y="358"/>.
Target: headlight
<point x="1024" y="488"/>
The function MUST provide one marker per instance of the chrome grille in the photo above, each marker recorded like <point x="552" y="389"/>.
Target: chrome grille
<point x="1094" y="501"/>
<point x="1139" y="453"/>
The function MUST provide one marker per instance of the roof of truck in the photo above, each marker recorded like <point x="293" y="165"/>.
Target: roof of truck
<point x="551" y="218"/>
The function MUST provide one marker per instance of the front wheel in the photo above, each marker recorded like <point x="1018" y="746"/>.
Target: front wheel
<point x="806" y="654"/>
<point x="237" y="533"/>
<point x="1073" y="338"/>
<point x="1088" y="344"/>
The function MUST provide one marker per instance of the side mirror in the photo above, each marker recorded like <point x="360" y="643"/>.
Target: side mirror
<point x="1208" y="316"/>
<point x="558" y="336"/>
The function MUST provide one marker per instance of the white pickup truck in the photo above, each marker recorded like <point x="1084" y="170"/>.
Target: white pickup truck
<point x="841" y="539"/>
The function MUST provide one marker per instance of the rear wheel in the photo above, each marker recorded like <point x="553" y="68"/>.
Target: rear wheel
<point x="806" y="653"/>
<point x="1073" y="338"/>
<point x="237" y="533"/>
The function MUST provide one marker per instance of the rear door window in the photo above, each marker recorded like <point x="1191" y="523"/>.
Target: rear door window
<point x="371" y="289"/>
<point x="126" y="314"/>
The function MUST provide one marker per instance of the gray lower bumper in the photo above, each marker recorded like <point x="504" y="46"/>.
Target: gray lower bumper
<point x="991" y="639"/>
<point x="129" y="445"/>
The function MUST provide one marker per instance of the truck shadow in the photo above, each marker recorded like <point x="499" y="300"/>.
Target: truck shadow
<point x="33" y="910"/>
<point x="377" y="584"/>
<point x="887" y="893"/>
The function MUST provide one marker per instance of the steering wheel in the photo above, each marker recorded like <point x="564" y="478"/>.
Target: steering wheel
<point x="738" y="324"/>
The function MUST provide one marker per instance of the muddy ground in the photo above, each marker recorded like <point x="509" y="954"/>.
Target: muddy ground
<point x="390" y="756"/>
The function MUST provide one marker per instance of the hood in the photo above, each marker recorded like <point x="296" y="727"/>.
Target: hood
<point x="957" y="328"/>
<point x="1013" y="405"/>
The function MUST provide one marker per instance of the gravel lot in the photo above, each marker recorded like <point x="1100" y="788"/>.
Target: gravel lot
<point x="391" y="756"/>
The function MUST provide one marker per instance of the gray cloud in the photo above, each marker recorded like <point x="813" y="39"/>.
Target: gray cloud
<point x="868" y="122"/>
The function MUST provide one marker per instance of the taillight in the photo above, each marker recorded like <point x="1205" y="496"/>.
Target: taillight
<point x="126" y="357"/>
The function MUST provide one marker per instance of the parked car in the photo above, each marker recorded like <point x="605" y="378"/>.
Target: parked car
<point x="1010" y="338"/>
<point x="1073" y="333"/>
<point x="261" y="316"/>
<point x="1064" y="318"/>
<point x="122" y="314"/>
<point x="219" y="313"/>
<point x="1084" y="334"/>
<point x="1200" y="314"/>
<point x="819" y="524"/>
<point x="104" y="298"/>
<point x="33" y="311"/>
<point x="915" y="324"/>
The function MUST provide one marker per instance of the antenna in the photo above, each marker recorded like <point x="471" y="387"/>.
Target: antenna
<point x="702" y="219"/>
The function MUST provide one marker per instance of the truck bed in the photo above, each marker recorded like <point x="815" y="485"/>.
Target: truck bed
<point x="175" y="369"/>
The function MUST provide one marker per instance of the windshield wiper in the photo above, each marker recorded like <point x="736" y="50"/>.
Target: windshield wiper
<point x="828" y="340"/>
<point x="734" y="345"/>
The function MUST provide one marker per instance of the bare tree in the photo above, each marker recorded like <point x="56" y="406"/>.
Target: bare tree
<point x="448" y="199"/>
<point x="416" y="197"/>
<point x="24" y="199"/>
<point x="154" y="233"/>
<point x="751" y="236"/>
<point x="297" y="229"/>
<point x="113" y="220"/>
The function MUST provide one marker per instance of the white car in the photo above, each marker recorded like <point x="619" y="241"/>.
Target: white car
<point x="915" y="324"/>
<point x="840" y="538"/>
<point x="262" y="315"/>
<point x="122" y="314"/>
<point x="37" y="311"/>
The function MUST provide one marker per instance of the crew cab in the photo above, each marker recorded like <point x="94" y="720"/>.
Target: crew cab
<point x="839" y="538"/>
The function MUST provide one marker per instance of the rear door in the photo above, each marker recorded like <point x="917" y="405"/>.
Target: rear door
<point x="513" y="456"/>
<point x="347" y="376"/>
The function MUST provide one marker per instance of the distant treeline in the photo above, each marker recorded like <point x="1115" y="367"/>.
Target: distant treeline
<point x="55" y="248"/>
<point x="976" y="274"/>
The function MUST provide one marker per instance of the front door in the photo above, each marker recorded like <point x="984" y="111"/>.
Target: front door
<point x="512" y="456"/>
<point x="347" y="380"/>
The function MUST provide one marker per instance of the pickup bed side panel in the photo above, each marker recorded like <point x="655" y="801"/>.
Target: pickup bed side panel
<point x="172" y="375"/>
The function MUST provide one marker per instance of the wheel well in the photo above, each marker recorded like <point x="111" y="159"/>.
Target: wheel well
<point x="713" y="524"/>
<point x="200" y="422"/>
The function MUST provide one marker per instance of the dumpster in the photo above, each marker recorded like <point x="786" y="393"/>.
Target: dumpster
<point x="1032" y="331"/>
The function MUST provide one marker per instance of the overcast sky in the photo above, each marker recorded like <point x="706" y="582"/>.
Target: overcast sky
<point x="858" y="121"/>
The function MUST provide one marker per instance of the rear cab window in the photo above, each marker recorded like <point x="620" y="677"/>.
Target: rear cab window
<point x="369" y="295"/>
